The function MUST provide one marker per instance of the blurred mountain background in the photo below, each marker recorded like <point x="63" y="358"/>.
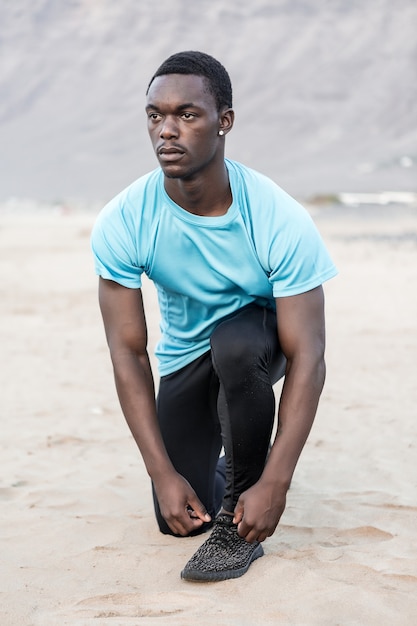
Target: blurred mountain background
<point x="325" y="92"/>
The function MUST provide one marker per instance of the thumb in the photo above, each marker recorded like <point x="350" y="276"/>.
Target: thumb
<point x="199" y="509"/>
<point x="238" y="516"/>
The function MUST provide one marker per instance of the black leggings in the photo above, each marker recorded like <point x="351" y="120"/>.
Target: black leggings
<point x="223" y="398"/>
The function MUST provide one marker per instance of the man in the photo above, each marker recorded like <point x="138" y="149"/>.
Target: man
<point x="238" y="266"/>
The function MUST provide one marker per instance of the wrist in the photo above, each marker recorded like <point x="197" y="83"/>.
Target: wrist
<point x="161" y="472"/>
<point x="277" y="479"/>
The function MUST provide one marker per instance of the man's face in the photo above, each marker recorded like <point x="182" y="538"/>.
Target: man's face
<point x="183" y="124"/>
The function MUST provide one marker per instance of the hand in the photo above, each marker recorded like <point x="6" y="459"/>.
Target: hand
<point x="258" y="511"/>
<point x="179" y="504"/>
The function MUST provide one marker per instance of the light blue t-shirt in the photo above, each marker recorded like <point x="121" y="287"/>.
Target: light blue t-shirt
<point x="205" y="268"/>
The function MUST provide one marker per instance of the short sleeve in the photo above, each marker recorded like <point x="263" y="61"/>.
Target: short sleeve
<point x="299" y="259"/>
<point x="113" y="243"/>
<point x="288" y="243"/>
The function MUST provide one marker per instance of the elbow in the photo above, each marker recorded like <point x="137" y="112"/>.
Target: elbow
<point x="309" y="367"/>
<point x="318" y="363"/>
<point x="316" y="360"/>
<point x="123" y="354"/>
<point x="316" y="371"/>
<point x="321" y="372"/>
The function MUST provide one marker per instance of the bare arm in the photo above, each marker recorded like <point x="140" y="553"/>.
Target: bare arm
<point x="301" y="330"/>
<point x="125" y="327"/>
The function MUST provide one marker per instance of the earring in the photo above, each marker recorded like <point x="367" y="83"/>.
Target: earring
<point x="221" y="133"/>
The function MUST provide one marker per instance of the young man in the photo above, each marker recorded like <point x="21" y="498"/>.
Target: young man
<point x="238" y="266"/>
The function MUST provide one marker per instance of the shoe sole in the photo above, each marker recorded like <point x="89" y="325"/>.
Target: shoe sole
<point x="198" y="576"/>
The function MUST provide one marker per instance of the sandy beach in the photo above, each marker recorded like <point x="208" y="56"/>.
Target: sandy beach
<point x="79" y="545"/>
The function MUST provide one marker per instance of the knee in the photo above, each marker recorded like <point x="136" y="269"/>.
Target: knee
<point x="231" y="350"/>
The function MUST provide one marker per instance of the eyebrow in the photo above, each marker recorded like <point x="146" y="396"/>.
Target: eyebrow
<point x="181" y="107"/>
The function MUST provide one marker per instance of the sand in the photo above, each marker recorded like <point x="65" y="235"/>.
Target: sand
<point x="79" y="544"/>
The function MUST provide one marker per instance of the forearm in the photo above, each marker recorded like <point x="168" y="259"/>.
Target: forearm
<point x="135" y="388"/>
<point x="297" y="409"/>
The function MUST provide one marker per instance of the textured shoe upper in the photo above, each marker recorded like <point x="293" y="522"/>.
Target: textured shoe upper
<point x="224" y="550"/>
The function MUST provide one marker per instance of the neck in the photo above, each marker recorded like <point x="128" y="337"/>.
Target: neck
<point x="201" y="195"/>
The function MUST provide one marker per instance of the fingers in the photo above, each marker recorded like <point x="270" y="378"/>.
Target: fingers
<point x="248" y="533"/>
<point x="253" y="532"/>
<point x="238" y="513"/>
<point x="257" y="513"/>
<point x="185" y="523"/>
<point x="180" y="506"/>
<point x="252" y="528"/>
<point x="198" y="509"/>
<point x="192" y="517"/>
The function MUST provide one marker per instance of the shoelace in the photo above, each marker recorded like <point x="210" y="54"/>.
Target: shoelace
<point x="223" y="532"/>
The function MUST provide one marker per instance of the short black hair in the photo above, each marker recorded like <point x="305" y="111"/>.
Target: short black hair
<point x="200" y="64"/>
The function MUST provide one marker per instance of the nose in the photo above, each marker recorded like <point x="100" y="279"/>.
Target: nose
<point x="169" y="128"/>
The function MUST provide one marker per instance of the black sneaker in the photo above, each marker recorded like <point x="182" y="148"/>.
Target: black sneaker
<point x="223" y="555"/>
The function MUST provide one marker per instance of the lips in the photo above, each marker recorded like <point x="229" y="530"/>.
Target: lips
<point x="170" y="153"/>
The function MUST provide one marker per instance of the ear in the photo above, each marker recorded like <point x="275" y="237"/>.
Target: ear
<point x="227" y="117"/>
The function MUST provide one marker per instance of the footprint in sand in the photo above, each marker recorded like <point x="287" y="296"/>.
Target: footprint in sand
<point x="359" y="535"/>
<point x="130" y="605"/>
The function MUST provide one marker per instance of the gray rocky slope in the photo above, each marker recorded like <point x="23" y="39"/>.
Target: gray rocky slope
<point x="325" y="92"/>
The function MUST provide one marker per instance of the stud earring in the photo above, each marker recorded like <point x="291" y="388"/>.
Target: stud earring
<point x="221" y="133"/>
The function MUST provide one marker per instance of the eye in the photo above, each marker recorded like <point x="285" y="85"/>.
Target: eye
<point x="187" y="115"/>
<point x="154" y="117"/>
